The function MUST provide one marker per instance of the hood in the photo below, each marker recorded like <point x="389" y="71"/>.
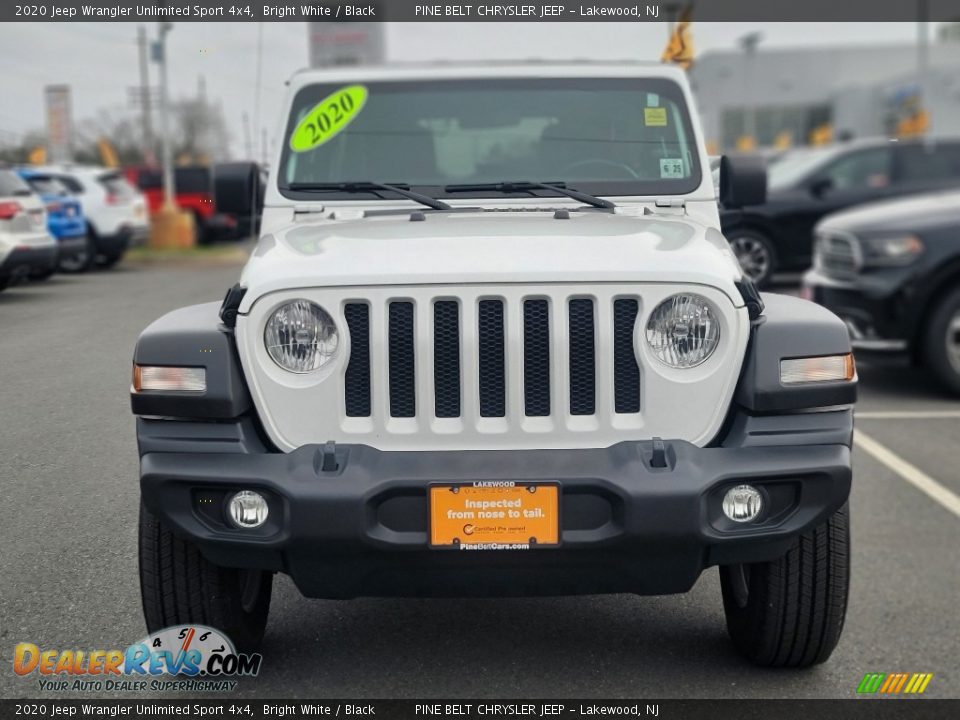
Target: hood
<point x="909" y="214"/>
<point x="522" y="246"/>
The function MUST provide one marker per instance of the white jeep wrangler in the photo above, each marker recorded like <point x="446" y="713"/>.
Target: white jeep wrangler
<point x="492" y="342"/>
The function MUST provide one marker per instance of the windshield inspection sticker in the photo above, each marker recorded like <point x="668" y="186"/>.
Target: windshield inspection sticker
<point x="328" y="117"/>
<point x="671" y="168"/>
<point x="655" y="117"/>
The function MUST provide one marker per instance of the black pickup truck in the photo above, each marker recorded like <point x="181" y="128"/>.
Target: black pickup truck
<point x="891" y="271"/>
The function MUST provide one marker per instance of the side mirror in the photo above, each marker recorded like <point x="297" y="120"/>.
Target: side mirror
<point x="743" y="180"/>
<point x="236" y="188"/>
<point x="821" y="186"/>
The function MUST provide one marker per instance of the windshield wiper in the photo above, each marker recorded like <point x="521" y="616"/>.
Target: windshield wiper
<point x="527" y="186"/>
<point x="358" y="187"/>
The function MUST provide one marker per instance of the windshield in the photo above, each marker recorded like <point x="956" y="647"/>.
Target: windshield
<point x="601" y="136"/>
<point x="796" y="165"/>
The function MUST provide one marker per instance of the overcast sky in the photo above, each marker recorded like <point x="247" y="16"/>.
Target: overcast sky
<point x="99" y="60"/>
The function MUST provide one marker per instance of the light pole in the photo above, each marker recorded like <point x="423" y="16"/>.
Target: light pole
<point x="169" y="192"/>
<point x="749" y="44"/>
<point x="148" y="149"/>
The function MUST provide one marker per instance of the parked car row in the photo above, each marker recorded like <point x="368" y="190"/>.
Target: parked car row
<point x="876" y="226"/>
<point x="66" y="218"/>
<point x="807" y="184"/>
<point x="891" y="271"/>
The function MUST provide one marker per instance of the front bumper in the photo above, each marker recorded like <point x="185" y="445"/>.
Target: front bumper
<point x="23" y="260"/>
<point x="127" y="236"/>
<point x="873" y="309"/>
<point x="361" y="529"/>
<point x="71" y="247"/>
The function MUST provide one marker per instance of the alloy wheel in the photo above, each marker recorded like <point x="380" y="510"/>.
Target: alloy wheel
<point x="953" y="342"/>
<point x="753" y="256"/>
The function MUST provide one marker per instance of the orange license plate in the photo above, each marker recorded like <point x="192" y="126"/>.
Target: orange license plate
<point x="488" y="516"/>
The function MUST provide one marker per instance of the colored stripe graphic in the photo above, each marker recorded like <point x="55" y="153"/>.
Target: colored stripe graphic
<point x="894" y="683"/>
<point x="918" y="683"/>
<point x="871" y="682"/>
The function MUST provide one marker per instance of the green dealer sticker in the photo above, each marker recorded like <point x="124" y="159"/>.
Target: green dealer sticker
<point x="328" y="117"/>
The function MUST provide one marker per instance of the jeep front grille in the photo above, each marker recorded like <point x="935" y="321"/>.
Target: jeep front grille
<point x="558" y="335"/>
<point x="483" y="366"/>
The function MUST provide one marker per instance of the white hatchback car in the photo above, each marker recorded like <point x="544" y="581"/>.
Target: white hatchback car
<point x="25" y="245"/>
<point x="116" y="211"/>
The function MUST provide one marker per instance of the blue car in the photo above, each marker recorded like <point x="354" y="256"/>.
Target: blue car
<point x="65" y="220"/>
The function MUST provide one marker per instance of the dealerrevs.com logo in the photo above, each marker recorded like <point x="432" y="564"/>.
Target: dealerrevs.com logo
<point x="193" y="658"/>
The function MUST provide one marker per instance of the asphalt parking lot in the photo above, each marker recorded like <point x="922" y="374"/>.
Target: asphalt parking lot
<point x="68" y="465"/>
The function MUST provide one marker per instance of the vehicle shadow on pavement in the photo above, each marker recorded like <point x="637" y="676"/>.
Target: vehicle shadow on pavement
<point x="900" y="381"/>
<point x="589" y="646"/>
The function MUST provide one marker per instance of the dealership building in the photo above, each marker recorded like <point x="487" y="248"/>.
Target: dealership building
<point x="858" y="90"/>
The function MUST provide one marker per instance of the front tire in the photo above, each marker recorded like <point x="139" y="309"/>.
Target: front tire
<point x="42" y="274"/>
<point x="789" y="612"/>
<point x="179" y="586"/>
<point x="81" y="261"/>
<point x="942" y="341"/>
<point x="755" y="253"/>
<point x="108" y="261"/>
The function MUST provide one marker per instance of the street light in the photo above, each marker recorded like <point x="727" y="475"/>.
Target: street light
<point x="170" y="227"/>
<point x="160" y="55"/>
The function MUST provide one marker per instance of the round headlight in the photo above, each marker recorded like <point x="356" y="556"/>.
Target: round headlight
<point x="683" y="331"/>
<point x="301" y="336"/>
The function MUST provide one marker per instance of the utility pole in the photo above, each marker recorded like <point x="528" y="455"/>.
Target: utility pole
<point x="247" y="140"/>
<point x="169" y="193"/>
<point x="145" y="93"/>
<point x="256" y="95"/>
<point x="749" y="44"/>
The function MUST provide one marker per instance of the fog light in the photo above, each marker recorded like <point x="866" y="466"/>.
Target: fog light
<point x="742" y="503"/>
<point x="248" y="509"/>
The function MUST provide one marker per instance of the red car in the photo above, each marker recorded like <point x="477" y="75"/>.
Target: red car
<point x="194" y="193"/>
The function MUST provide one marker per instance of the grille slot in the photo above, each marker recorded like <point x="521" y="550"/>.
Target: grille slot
<point x="583" y="399"/>
<point x="446" y="358"/>
<point x="491" y="360"/>
<point x="401" y="367"/>
<point x="626" y="372"/>
<point x="536" y="358"/>
<point x="356" y="388"/>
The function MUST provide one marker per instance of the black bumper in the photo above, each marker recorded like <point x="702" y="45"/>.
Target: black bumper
<point x="361" y="529"/>
<point x="71" y="247"/>
<point x="118" y="243"/>
<point x="877" y="310"/>
<point x="24" y="260"/>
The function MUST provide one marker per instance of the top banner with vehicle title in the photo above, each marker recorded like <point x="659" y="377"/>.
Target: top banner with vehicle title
<point x="475" y="11"/>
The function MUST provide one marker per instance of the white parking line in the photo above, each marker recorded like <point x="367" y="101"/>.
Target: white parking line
<point x="909" y="415"/>
<point x="911" y="473"/>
